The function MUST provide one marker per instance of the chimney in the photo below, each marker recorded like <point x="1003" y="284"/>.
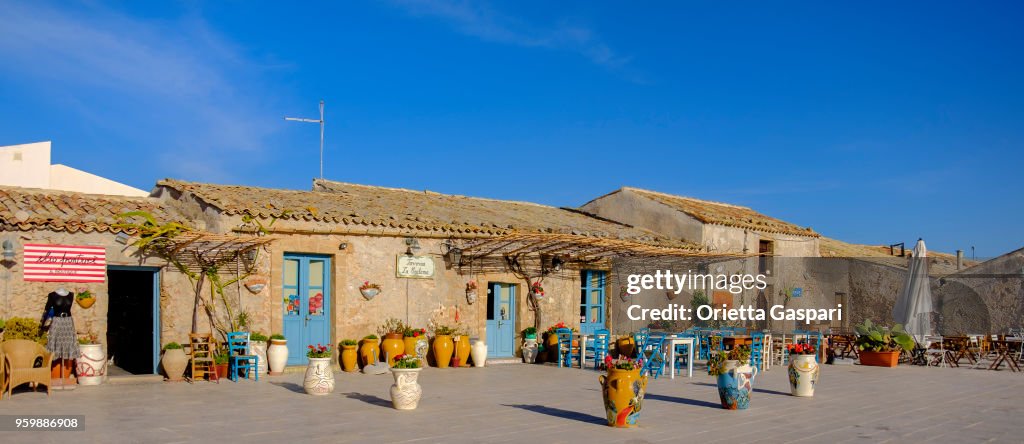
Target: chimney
<point x="959" y="259"/>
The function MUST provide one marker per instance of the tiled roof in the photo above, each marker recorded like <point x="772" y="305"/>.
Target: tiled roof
<point x="34" y="209"/>
<point x="414" y="211"/>
<point x="938" y="263"/>
<point x="725" y="214"/>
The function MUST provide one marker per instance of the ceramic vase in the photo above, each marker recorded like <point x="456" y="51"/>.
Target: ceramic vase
<point x="319" y="377"/>
<point x="735" y="386"/>
<point x="277" y="356"/>
<point x="406" y="391"/>
<point x="368" y="352"/>
<point x="391" y="346"/>
<point x="174" y="362"/>
<point x="91" y="365"/>
<point x="462" y="351"/>
<point x="530" y="350"/>
<point x="625" y="345"/>
<point x="623" y="392"/>
<point x="803" y="375"/>
<point x="443" y="348"/>
<point x="551" y="345"/>
<point x="479" y="353"/>
<point x="259" y="348"/>
<point x="349" y="358"/>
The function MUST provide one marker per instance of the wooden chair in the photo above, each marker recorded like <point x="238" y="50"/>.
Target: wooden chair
<point x="20" y="356"/>
<point x="202" y="347"/>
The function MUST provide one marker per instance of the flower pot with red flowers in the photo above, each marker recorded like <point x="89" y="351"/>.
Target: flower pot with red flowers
<point x="881" y="346"/>
<point x="416" y="344"/>
<point x="319" y="378"/>
<point x="623" y="390"/>
<point x="471" y="292"/>
<point x="393" y="332"/>
<point x="551" y="341"/>
<point x="369" y="290"/>
<point x="406" y="391"/>
<point x="803" y="369"/>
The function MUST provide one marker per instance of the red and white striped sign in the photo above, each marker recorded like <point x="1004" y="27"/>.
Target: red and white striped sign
<point x="65" y="263"/>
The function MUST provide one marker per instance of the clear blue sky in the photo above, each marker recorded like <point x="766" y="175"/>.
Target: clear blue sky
<point x="876" y="122"/>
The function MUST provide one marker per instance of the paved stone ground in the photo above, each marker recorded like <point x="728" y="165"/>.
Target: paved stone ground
<point x="541" y="404"/>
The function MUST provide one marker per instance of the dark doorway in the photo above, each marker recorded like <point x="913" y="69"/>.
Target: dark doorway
<point x="132" y="318"/>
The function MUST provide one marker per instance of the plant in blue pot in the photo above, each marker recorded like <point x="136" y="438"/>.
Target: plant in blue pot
<point x="735" y="377"/>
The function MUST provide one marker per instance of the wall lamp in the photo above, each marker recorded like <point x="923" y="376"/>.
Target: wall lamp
<point x="412" y="246"/>
<point x="122" y="238"/>
<point x="8" y="251"/>
<point x="452" y="253"/>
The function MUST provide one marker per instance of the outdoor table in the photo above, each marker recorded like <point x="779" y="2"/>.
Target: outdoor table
<point x="1003" y="354"/>
<point x="733" y="341"/>
<point x="671" y="342"/>
<point x="844" y="346"/>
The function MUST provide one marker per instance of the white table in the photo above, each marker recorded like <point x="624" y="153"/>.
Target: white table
<point x="671" y="342"/>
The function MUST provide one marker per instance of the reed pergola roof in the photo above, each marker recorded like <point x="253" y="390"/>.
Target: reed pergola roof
<point x="197" y="249"/>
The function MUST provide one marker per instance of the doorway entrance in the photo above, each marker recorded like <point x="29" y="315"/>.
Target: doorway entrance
<point x="501" y="320"/>
<point x="133" y="318"/>
<point x="307" y="300"/>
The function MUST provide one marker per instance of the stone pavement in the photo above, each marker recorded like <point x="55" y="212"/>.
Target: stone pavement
<point x="542" y="404"/>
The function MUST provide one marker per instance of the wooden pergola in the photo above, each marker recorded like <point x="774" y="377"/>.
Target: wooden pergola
<point x="197" y="250"/>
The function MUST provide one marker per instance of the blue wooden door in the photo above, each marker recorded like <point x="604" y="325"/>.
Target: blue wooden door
<point x="501" y="320"/>
<point x="591" y="301"/>
<point x="307" y="298"/>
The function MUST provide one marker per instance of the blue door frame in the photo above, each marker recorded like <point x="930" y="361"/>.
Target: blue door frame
<point x="156" y="307"/>
<point x="592" y="309"/>
<point x="501" y="320"/>
<point x="306" y="291"/>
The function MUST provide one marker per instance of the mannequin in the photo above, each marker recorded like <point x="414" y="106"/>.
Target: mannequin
<point x="62" y="340"/>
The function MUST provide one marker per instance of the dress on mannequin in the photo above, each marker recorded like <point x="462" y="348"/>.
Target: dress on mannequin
<point x="62" y="339"/>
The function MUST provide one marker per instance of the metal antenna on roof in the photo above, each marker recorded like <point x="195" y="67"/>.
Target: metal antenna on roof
<point x="321" y="122"/>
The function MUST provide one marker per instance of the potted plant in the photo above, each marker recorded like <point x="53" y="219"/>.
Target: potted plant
<point x="537" y="291"/>
<point x="220" y="362"/>
<point x="85" y="298"/>
<point x="463" y="348"/>
<point x="368" y="351"/>
<point x="91" y="365"/>
<point x="443" y="346"/>
<point x="415" y="340"/>
<point x="277" y="354"/>
<point x="735" y="377"/>
<point x="406" y="391"/>
<point x="319" y="378"/>
<point x="349" y="355"/>
<point x="880" y="346"/>
<point x="803" y="369"/>
<point x="623" y="390"/>
<point x="174" y="361"/>
<point x="369" y="290"/>
<point x="258" y="347"/>
<point x="530" y="349"/>
<point x="393" y="332"/>
<point x="470" y="292"/>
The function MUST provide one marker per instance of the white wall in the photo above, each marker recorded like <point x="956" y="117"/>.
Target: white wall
<point x="63" y="177"/>
<point x="28" y="166"/>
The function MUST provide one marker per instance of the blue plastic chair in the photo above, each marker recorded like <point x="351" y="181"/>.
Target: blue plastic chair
<point x="654" y="356"/>
<point x="757" y="349"/>
<point x="703" y="345"/>
<point x="597" y="347"/>
<point x="566" y="352"/>
<point x="682" y="354"/>
<point x="640" y="338"/>
<point x="239" y="357"/>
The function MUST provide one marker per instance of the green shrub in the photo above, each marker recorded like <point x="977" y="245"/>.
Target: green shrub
<point x="2" y="323"/>
<point x="173" y="346"/>
<point x="348" y="342"/>
<point x="370" y="337"/>
<point x="220" y="359"/>
<point x="875" y="338"/>
<point x="22" y="328"/>
<point x="277" y="336"/>
<point x="258" y="337"/>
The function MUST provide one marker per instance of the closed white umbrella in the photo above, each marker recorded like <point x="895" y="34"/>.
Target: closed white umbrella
<point x="914" y="306"/>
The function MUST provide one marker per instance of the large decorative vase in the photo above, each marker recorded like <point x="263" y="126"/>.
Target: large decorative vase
<point x="409" y="342"/>
<point x="463" y="349"/>
<point x="625" y="346"/>
<point x="551" y="345"/>
<point x="277" y="356"/>
<point x="392" y="346"/>
<point x="443" y="348"/>
<point x="803" y="374"/>
<point x="259" y="348"/>
<point x="174" y="362"/>
<point x="880" y="359"/>
<point x="623" y="396"/>
<point x="479" y="353"/>
<point x="530" y="350"/>
<point x="349" y="358"/>
<point x="735" y="386"/>
<point x="91" y="364"/>
<point x="319" y="377"/>
<point x="406" y="392"/>
<point x="368" y="352"/>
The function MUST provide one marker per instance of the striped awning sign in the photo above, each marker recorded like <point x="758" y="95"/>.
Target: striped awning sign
<point x="65" y="263"/>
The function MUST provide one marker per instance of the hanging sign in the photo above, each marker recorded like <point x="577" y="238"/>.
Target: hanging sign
<point x="416" y="267"/>
<point x="65" y="263"/>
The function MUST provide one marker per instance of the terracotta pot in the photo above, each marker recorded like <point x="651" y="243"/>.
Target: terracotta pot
<point x="349" y="358"/>
<point x="625" y="345"/>
<point x="174" y="363"/>
<point x="735" y="387"/>
<point x="393" y="345"/>
<point x="86" y="302"/>
<point x="67" y="366"/>
<point x="368" y="352"/>
<point x="463" y="350"/>
<point x="803" y="374"/>
<point x="406" y="391"/>
<point x="319" y="378"/>
<point x="222" y="370"/>
<point x="443" y="349"/>
<point x="623" y="392"/>
<point x="277" y="356"/>
<point x="91" y="365"/>
<point x="551" y="346"/>
<point x="880" y="359"/>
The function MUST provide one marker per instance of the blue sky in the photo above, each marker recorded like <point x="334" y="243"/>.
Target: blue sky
<point x="878" y="122"/>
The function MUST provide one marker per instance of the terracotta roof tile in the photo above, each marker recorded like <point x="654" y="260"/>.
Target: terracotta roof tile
<point x="36" y="209"/>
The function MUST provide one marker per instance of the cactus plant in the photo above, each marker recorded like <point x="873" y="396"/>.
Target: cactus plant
<point x="872" y="337"/>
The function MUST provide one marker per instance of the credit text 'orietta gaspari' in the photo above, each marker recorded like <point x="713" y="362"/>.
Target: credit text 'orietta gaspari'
<point x="679" y="312"/>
